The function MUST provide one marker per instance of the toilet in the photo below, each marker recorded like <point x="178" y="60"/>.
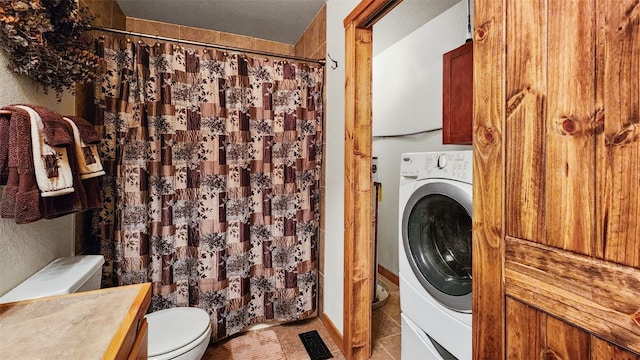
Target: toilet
<point x="180" y="333"/>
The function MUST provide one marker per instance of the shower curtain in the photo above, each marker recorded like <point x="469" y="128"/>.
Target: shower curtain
<point x="212" y="191"/>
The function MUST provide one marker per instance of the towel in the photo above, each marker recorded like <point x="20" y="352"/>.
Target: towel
<point x="87" y="156"/>
<point x="58" y="134"/>
<point x="87" y="130"/>
<point x="51" y="163"/>
<point x="73" y="202"/>
<point x="20" y="198"/>
<point x="54" y="131"/>
<point x="4" y="148"/>
<point x="88" y="159"/>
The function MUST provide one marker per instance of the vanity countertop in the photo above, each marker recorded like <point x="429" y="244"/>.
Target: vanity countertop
<point x="86" y="325"/>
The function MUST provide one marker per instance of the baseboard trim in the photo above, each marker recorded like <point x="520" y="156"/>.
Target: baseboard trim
<point x="389" y="275"/>
<point x="333" y="331"/>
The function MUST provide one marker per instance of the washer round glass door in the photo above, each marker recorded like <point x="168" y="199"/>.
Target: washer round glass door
<point x="436" y="232"/>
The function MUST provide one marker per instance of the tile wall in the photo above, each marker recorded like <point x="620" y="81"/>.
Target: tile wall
<point x="313" y="44"/>
<point x="208" y="36"/>
<point x="109" y="13"/>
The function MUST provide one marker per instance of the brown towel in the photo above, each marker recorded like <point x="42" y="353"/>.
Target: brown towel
<point x="93" y="190"/>
<point x="88" y="132"/>
<point x="20" y="198"/>
<point x="61" y="139"/>
<point x="55" y="130"/>
<point x="4" y="148"/>
<point x="51" y="163"/>
<point x="88" y="159"/>
<point x="89" y="164"/>
<point x="74" y="202"/>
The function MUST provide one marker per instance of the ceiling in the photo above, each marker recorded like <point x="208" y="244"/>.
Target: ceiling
<point x="277" y="20"/>
<point x="405" y="18"/>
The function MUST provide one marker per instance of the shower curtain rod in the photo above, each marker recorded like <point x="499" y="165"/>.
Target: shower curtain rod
<point x="207" y="45"/>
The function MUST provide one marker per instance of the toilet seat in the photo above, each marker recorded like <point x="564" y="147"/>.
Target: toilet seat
<point x="175" y="331"/>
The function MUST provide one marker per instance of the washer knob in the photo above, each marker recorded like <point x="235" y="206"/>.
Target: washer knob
<point x="442" y="161"/>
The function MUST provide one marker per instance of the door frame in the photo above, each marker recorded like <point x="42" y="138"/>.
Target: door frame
<point x="358" y="246"/>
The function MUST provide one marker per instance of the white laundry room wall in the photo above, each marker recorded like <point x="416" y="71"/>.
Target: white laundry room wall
<point x="407" y="99"/>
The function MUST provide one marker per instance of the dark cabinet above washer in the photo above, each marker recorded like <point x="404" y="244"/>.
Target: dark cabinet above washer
<point x="457" y="95"/>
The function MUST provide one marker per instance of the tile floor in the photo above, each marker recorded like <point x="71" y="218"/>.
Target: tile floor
<point x="385" y="332"/>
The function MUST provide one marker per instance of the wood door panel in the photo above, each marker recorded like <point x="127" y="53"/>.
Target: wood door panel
<point x="558" y="164"/>
<point x="570" y="144"/>
<point x="488" y="165"/>
<point x="564" y="341"/>
<point x="618" y="146"/>
<point x="601" y="349"/>
<point x="534" y="334"/>
<point x="526" y="336"/>
<point x="526" y="98"/>
<point x="595" y="295"/>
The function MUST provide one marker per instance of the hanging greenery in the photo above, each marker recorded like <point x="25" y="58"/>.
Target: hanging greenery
<point x="45" y="40"/>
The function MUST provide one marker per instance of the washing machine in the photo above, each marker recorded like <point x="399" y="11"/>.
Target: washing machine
<point x="435" y="255"/>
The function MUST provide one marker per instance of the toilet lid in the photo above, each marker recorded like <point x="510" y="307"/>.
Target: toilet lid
<point x="174" y="328"/>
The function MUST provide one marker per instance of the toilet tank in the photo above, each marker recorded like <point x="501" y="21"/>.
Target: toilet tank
<point x="64" y="275"/>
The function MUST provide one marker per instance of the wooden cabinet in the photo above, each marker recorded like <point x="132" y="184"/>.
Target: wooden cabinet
<point x="556" y="177"/>
<point x="131" y="338"/>
<point x="140" y="347"/>
<point x="101" y="324"/>
<point x="457" y="95"/>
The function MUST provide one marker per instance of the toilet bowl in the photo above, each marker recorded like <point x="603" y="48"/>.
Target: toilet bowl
<point x="177" y="333"/>
<point x="181" y="333"/>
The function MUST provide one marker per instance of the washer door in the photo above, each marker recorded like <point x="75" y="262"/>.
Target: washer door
<point x="436" y="232"/>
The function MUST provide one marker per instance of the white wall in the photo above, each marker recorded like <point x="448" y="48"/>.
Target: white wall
<point x="24" y="249"/>
<point x="407" y="98"/>
<point x="337" y="10"/>
<point x="404" y="19"/>
<point x="407" y="76"/>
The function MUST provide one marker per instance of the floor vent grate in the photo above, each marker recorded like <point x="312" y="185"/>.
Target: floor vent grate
<point x="316" y="348"/>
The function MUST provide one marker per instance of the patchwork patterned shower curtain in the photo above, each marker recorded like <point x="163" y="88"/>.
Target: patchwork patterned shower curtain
<point x="213" y="185"/>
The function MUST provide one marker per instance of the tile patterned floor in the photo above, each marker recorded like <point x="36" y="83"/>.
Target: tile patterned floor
<point x="385" y="332"/>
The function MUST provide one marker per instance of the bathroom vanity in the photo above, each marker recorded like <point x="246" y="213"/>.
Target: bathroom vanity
<point x="100" y="324"/>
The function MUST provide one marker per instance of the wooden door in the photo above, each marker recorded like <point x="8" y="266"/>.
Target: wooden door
<point x="556" y="179"/>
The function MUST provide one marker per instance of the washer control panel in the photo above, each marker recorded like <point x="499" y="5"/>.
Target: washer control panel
<point x="455" y="165"/>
